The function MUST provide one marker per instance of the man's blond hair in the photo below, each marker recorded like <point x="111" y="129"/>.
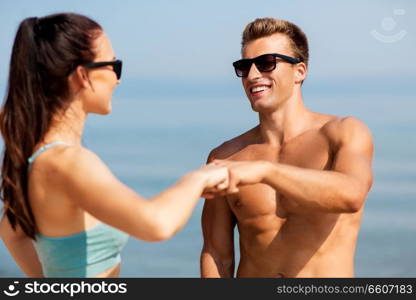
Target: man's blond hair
<point x="267" y="26"/>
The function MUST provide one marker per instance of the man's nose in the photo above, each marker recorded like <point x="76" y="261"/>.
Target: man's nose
<point x="253" y="73"/>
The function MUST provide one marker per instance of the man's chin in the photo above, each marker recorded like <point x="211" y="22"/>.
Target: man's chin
<point x="260" y="106"/>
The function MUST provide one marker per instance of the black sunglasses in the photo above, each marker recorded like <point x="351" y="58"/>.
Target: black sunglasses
<point x="264" y="63"/>
<point x="117" y="66"/>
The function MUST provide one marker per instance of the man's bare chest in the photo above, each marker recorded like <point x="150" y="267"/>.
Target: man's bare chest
<point x="312" y="152"/>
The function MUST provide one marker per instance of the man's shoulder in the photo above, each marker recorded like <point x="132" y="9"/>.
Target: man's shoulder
<point x="232" y="146"/>
<point x="345" y="129"/>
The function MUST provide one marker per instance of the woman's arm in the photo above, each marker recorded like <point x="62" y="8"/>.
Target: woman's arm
<point x="86" y="179"/>
<point x="21" y="248"/>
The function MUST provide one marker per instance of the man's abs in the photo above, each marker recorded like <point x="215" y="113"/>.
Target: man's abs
<point x="298" y="246"/>
<point x="277" y="240"/>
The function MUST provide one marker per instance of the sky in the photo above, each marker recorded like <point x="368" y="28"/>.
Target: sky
<point x="367" y="42"/>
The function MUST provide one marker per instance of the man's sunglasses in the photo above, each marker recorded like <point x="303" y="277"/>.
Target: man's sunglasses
<point x="117" y="66"/>
<point x="264" y="63"/>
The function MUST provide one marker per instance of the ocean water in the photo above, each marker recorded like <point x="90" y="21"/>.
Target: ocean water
<point x="150" y="141"/>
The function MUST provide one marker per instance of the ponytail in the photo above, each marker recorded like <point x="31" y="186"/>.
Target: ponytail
<point x="44" y="52"/>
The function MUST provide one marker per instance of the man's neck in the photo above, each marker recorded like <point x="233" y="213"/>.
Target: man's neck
<point x="288" y="121"/>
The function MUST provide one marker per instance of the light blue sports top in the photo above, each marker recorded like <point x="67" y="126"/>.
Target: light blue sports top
<point x="84" y="254"/>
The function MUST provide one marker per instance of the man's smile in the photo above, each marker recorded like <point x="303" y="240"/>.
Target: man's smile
<point x="258" y="90"/>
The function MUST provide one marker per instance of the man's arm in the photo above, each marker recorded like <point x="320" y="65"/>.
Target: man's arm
<point x="217" y="257"/>
<point x="21" y="248"/>
<point x="340" y="190"/>
<point x="218" y="222"/>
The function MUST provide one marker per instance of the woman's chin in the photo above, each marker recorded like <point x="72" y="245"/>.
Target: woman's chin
<point x="105" y="110"/>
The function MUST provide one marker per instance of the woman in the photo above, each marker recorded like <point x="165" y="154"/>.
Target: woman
<point x="66" y="215"/>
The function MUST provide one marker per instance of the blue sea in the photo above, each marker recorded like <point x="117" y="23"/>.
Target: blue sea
<point x="152" y="138"/>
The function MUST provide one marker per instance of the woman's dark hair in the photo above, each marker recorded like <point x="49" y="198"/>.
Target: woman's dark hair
<point x="45" y="51"/>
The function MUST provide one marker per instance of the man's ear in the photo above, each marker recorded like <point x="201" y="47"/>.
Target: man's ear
<point x="300" y="72"/>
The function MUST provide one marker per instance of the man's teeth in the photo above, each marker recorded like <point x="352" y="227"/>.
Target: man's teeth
<point x="259" y="89"/>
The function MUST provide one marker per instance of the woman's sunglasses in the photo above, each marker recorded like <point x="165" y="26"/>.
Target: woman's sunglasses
<point x="264" y="63"/>
<point x="117" y="66"/>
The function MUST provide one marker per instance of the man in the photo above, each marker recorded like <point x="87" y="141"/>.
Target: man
<point x="308" y="174"/>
